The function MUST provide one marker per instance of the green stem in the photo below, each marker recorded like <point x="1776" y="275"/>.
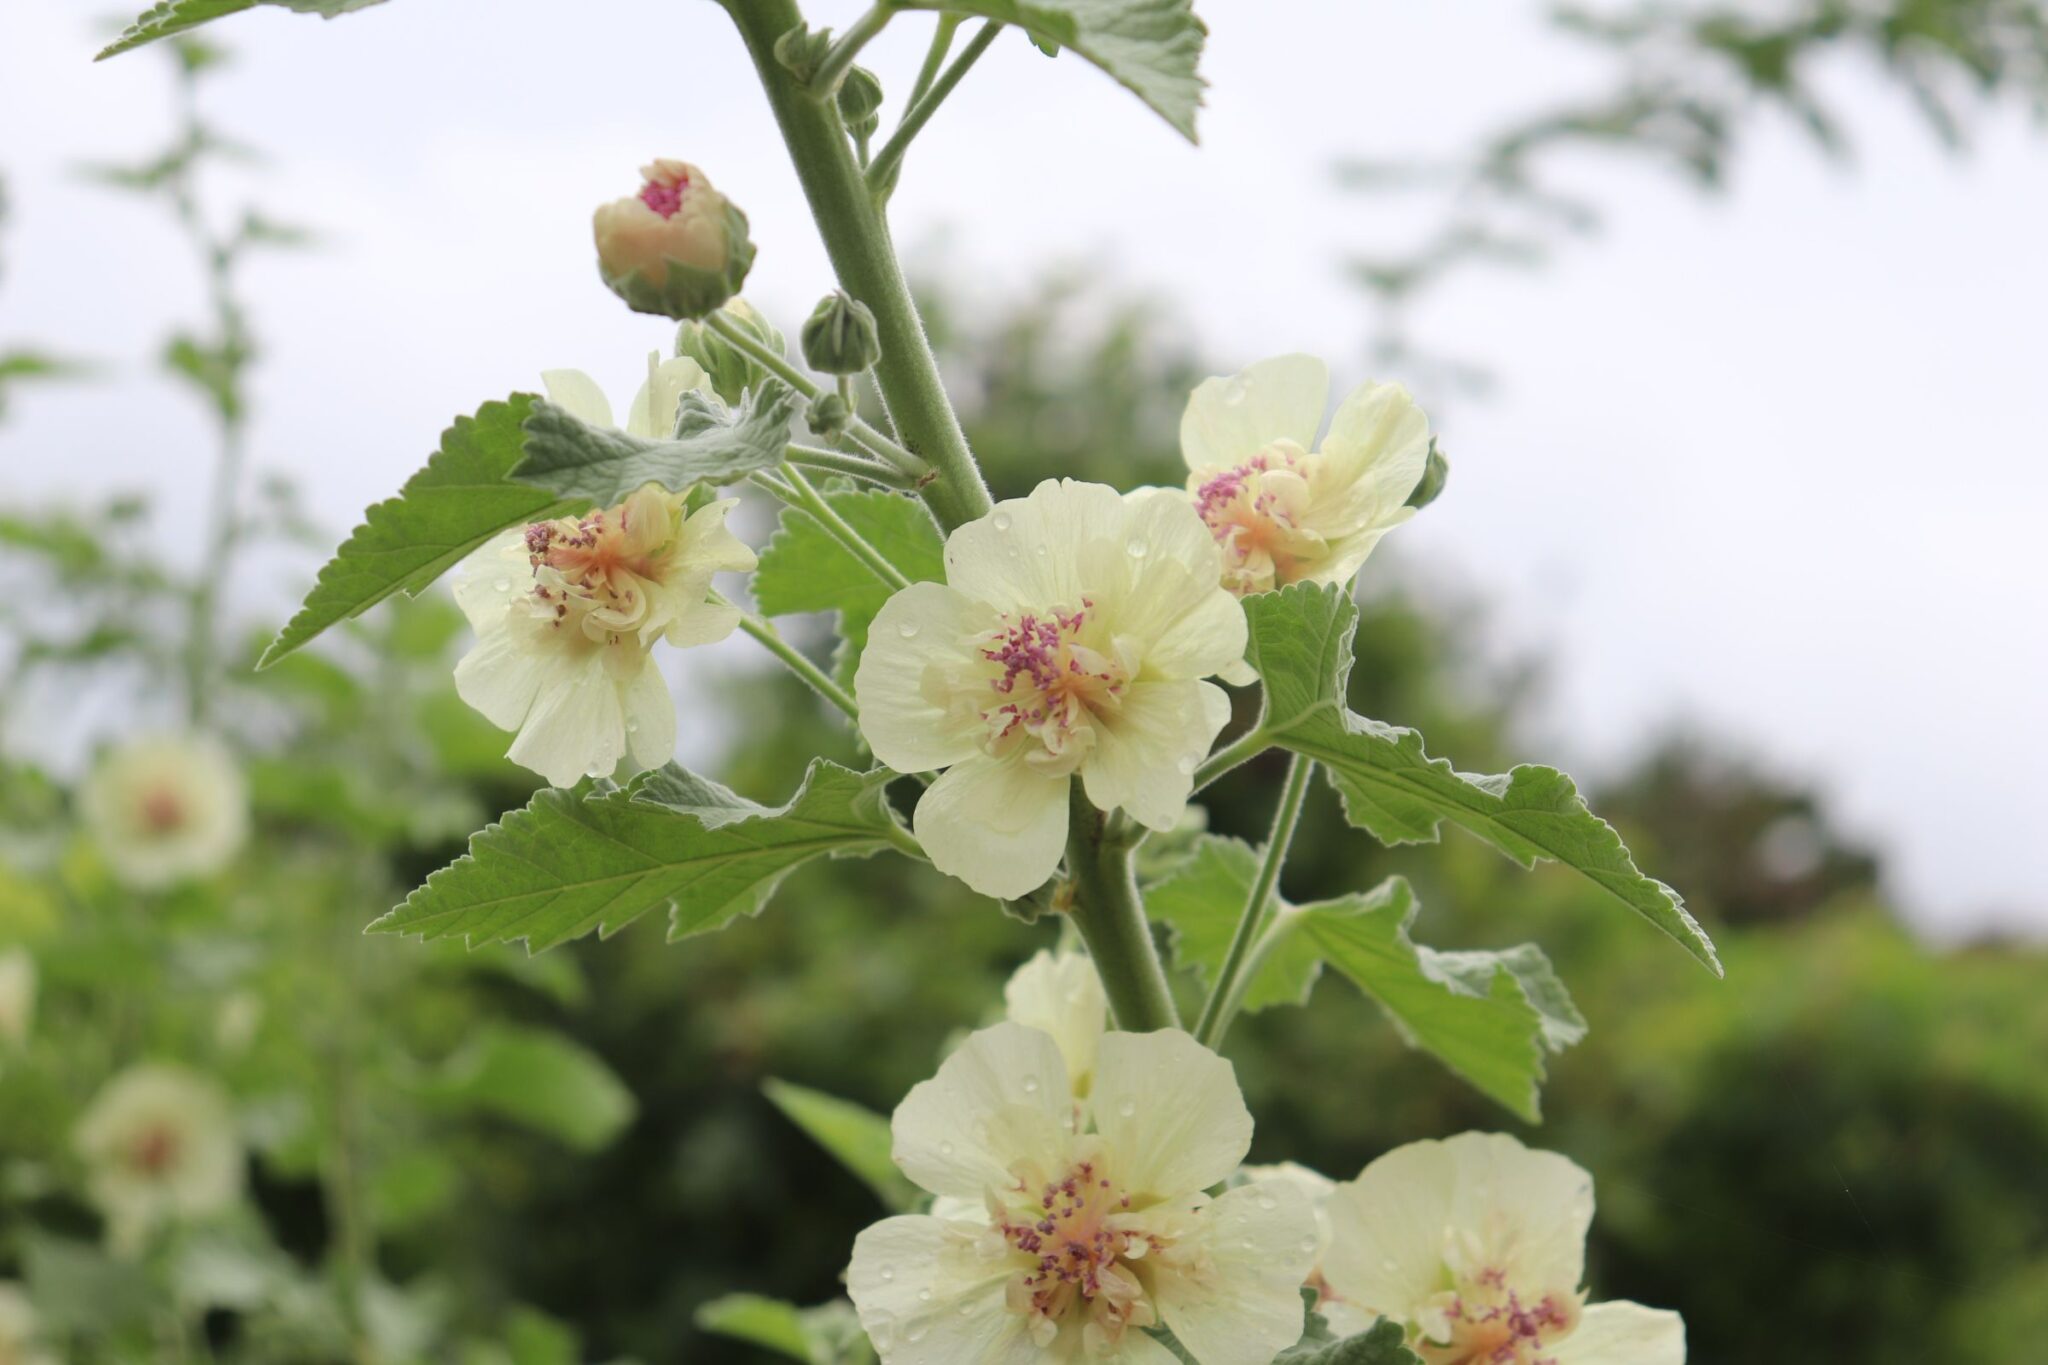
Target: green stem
<point x="820" y="682"/>
<point x="887" y="165"/>
<point x="1110" y="915"/>
<point x="934" y="57"/>
<point x="1238" y="752"/>
<point x="766" y="357"/>
<point x="853" y="466"/>
<point x="1228" y="992"/>
<point x="825" y="80"/>
<point x="797" y="491"/>
<point x="857" y="241"/>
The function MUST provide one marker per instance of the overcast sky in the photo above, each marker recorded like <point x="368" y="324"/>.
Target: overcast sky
<point x="1774" y="464"/>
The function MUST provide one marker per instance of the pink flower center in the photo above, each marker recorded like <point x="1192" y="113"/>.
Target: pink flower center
<point x="665" y="199"/>
<point x="162" y="810"/>
<point x="1492" y="1325"/>
<point x="154" y="1151"/>
<point x="1047" y="682"/>
<point x="1074" y="1250"/>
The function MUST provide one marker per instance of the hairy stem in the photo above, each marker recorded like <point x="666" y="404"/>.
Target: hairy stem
<point x="1110" y="915"/>
<point x="1228" y="993"/>
<point x="766" y="357"/>
<point x="857" y="240"/>
<point x="1238" y="752"/>
<point x="853" y="466"/>
<point x="888" y="163"/>
<point x="934" y="57"/>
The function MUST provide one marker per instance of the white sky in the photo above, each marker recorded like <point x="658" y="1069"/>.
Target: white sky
<point x="1773" y="462"/>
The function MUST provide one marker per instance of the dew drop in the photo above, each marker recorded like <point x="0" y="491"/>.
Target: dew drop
<point x="1001" y="521"/>
<point x="1041" y="552"/>
<point x="502" y="585"/>
<point x="1187" y="765"/>
<point x="1388" y="1265"/>
<point x="924" y="1296"/>
<point x="1031" y="1085"/>
<point x="917" y="1330"/>
<point x="888" y="1273"/>
<point x="908" y="629"/>
<point x="1127" y="1108"/>
<point x="1268" y="1203"/>
<point x="1248" y="1245"/>
<point x="1135" y="548"/>
<point x="966" y="1310"/>
<point x="1308" y="1245"/>
<point x="632" y="725"/>
<point x="945" y="1149"/>
<point x="1235" y="390"/>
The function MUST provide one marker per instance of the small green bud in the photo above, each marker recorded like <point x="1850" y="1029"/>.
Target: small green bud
<point x="800" y="50"/>
<point x="676" y="249"/>
<point x="840" y="336"/>
<point x="828" y="418"/>
<point x="732" y="370"/>
<point x="1434" y="475"/>
<point x="860" y="102"/>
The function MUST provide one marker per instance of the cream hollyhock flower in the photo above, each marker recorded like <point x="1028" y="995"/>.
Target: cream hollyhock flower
<point x="1069" y="638"/>
<point x="1344" y="1317"/>
<point x="1060" y="994"/>
<point x="1478" y="1245"/>
<point x="17" y="1001"/>
<point x="166" y="809"/>
<point x="18" y="1330"/>
<point x="1284" y="509"/>
<point x="1092" y="1222"/>
<point x="159" y="1145"/>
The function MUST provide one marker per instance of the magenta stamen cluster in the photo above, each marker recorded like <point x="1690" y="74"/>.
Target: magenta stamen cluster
<point x="664" y="199"/>
<point x="1072" y="1245"/>
<point x="1525" y="1324"/>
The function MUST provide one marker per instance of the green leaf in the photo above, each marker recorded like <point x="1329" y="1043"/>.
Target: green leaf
<point x="804" y="569"/>
<point x="442" y="514"/>
<point x="1384" y="1343"/>
<point x="176" y="16"/>
<point x="1151" y="47"/>
<point x="1488" y="1016"/>
<point x="1301" y="647"/>
<point x="712" y="445"/>
<point x="828" y="1334"/>
<point x="857" y="1137"/>
<point x="580" y="860"/>
<point x="541" y="1080"/>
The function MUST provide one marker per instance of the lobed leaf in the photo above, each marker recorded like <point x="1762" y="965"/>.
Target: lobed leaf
<point x="442" y="514"/>
<point x="1384" y="1343"/>
<point x="1489" y="1016"/>
<point x="584" y="859"/>
<point x="1301" y="646"/>
<point x="804" y="569"/>
<point x="172" y="17"/>
<point x="712" y="445"/>
<point x="857" y="1137"/>
<point x="1150" y="47"/>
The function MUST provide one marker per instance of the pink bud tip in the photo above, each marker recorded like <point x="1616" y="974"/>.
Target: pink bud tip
<point x="664" y="199"/>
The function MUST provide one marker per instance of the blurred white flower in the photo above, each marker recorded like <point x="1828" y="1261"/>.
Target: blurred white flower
<point x="19" y="1341"/>
<point x="17" y="1001"/>
<point x="159" y="1145"/>
<point x="1093" y="1222"/>
<point x="1069" y="639"/>
<point x="1478" y="1246"/>
<point x="166" y="809"/>
<point x="1060" y="994"/>
<point x="1283" y="509"/>
<point x="566" y="613"/>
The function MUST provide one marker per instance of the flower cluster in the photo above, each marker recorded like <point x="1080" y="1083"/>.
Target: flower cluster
<point x="567" y="611"/>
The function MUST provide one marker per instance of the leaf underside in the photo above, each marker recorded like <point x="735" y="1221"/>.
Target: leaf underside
<point x="712" y="445"/>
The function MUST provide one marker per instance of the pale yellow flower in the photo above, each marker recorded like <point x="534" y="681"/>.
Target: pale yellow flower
<point x="166" y="809"/>
<point x="159" y="1146"/>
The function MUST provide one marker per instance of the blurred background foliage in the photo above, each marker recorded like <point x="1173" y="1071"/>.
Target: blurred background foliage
<point x="485" y="1158"/>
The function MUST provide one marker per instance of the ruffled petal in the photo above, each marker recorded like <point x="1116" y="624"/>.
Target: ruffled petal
<point x="1532" y="1209"/>
<point x="1623" y="1333"/>
<point x="925" y="1297"/>
<point x="653" y="413"/>
<point x="650" y="719"/>
<point x="1240" y="1302"/>
<point x="1000" y="1099"/>
<point x="492" y="578"/>
<point x="1378" y="442"/>
<point x="1388" y="1229"/>
<point x="1171" y="1111"/>
<point x="1147" y="750"/>
<point x="578" y="394"/>
<point x="1230" y="419"/>
<point x="577" y="726"/>
<point x="1065" y="541"/>
<point x="998" y="824"/>
<point x="1061" y="994"/>
<point x="905" y="715"/>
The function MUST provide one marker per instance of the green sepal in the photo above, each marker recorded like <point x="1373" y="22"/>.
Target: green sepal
<point x="1434" y="475"/>
<point x="732" y="371"/>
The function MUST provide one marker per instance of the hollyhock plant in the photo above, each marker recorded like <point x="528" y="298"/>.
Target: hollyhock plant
<point x="166" y="809"/>
<point x="1069" y="639"/>
<point x="1478" y="1245"/>
<point x="1283" y="509"/>
<point x="566" y="613"/>
<point x="159" y="1145"/>
<point x="1091" y="1222"/>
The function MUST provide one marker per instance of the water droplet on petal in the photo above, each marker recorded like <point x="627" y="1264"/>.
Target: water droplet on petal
<point x="1235" y="390"/>
<point x="917" y="1330"/>
<point x="502" y="585"/>
<point x="1041" y="552"/>
<point x="1389" y="1266"/>
<point x="924" y="1296"/>
<point x="1136" y="548"/>
<point x="908" y="629"/>
<point x="1268" y="1203"/>
<point x="1187" y="765"/>
<point x="1127" y="1108"/>
<point x="1308" y="1245"/>
<point x="966" y="1310"/>
<point x="632" y="725"/>
<point x="888" y="1273"/>
<point x="945" y="1149"/>
<point x="1031" y="1085"/>
<point x="1001" y="521"/>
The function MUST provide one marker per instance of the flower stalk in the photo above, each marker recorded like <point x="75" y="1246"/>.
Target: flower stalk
<point x="1240" y="961"/>
<point x="813" y="676"/>
<point x="888" y="163"/>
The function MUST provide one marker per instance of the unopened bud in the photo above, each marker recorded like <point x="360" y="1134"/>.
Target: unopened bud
<point x="732" y="370"/>
<point x="1434" y="476"/>
<point x="860" y="102"/>
<point x="678" y="248"/>
<point x="828" y="418"/>
<point x="840" y="336"/>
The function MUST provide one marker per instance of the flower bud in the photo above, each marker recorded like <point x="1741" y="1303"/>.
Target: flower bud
<point x="860" y="102"/>
<point x="1434" y="475"/>
<point x="678" y="248"/>
<point x="828" y="418"/>
<point x="732" y="371"/>
<point x="840" y="337"/>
